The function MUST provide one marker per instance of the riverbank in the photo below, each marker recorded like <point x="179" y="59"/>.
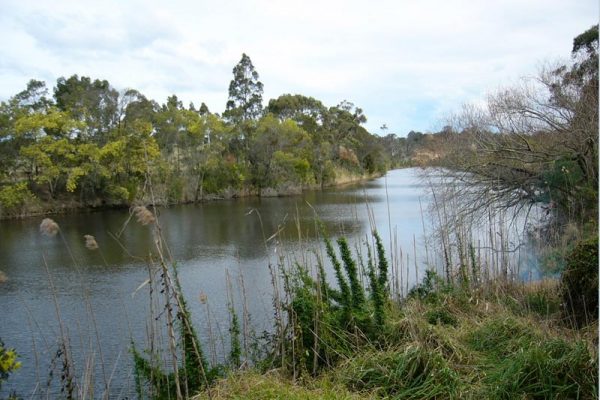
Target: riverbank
<point x="37" y="207"/>
<point x="498" y="342"/>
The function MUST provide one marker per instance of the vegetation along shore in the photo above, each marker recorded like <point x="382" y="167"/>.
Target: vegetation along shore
<point x="345" y="325"/>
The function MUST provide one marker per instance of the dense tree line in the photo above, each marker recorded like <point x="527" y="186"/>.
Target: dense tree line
<point x="87" y="144"/>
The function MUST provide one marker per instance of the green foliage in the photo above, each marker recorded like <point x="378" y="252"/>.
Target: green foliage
<point x="501" y="337"/>
<point x="305" y="111"/>
<point x="14" y="197"/>
<point x="568" y="188"/>
<point x="378" y="294"/>
<point x="175" y="189"/>
<point x="94" y="104"/>
<point x="278" y="152"/>
<point x="8" y="362"/>
<point x="329" y="323"/>
<point x="235" y="351"/>
<point x="430" y="288"/>
<point x="378" y="281"/>
<point x="475" y="267"/>
<point x="91" y="144"/>
<point x="356" y="289"/>
<point x="346" y="296"/>
<point x="245" y="92"/>
<point x="50" y="122"/>
<point x="162" y="385"/>
<point x="316" y="328"/>
<point x="579" y="283"/>
<point x="382" y="265"/>
<point x="586" y="40"/>
<point x="251" y="385"/>
<point x="290" y="168"/>
<point x="445" y="348"/>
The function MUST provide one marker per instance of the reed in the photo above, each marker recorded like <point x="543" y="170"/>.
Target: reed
<point x="472" y="330"/>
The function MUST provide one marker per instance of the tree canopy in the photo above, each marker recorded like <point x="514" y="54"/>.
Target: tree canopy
<point x="90" y="144"/>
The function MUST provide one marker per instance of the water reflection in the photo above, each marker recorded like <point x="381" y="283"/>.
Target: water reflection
<point x="206" y="240"/>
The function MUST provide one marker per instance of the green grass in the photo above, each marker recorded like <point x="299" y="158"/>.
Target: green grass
<point x="410" y="372"/>
<point x="494" y="345"/>
<point x="551" y="369"/>
<point x="275" y="386"/>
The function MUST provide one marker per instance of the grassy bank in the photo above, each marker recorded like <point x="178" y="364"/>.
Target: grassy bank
<point x="501" y="342"/>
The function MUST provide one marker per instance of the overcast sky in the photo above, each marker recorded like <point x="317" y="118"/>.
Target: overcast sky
<point x="406" y="63"/>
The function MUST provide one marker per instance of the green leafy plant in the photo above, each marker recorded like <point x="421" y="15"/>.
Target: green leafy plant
<point x="8" y="362"/>
<point x="579" y="283"/>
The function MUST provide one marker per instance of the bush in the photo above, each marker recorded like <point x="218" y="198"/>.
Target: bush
<point x="431" y="289"/>
<point x="579" y="283"/>
<point x="8" y="362"/>
<point x="14" y="198"/>
<point x="329" y="323"/>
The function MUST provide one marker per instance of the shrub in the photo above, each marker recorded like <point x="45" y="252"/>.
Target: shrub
<point x="329" y="323"/>
<point x="430" y="288"/>
<point x="8" y="362"/>
<point x="15" y="197"/>
<point x="579" y="283"/>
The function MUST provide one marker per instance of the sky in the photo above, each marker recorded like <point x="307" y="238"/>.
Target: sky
<point x="407" y="63"/>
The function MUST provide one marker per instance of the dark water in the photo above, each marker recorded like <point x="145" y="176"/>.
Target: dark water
<point x="96" y="291"/>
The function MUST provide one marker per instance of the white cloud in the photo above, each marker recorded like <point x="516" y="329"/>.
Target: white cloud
<point x="405" y="63"/>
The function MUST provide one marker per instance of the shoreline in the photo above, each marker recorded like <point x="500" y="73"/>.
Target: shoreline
<point x="73" y="207"/>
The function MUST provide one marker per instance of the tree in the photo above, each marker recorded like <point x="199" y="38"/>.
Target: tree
<point x="279" y="151"/>
<point x="308" y="112"/>
<point x="93" y="102"/>
<point x="34" y="97"/>
<point x="170" y="124"/>
<point x="245" y="93"/>
<point x="536" y="142"/>
<point x="31" y="101"/>
<point x="203" y="110"/>
<point x="130" y="154"/>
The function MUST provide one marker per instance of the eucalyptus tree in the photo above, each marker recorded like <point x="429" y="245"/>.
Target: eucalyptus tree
<point x="93" y="102"/>
<point x="279" y="151"/>
<point x="245" y="93"/>
<point x="33" y="99"/>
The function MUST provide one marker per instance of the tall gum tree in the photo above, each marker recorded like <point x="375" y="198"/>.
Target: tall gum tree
<point x="245" y="93"/>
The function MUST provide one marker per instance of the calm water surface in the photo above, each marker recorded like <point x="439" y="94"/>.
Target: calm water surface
<point x="207" y="241"/>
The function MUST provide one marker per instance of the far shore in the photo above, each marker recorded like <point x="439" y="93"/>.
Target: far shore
<point x="61" y="207"/>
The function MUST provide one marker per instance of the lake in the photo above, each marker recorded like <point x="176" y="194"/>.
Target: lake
<point x="96" y="290"/>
